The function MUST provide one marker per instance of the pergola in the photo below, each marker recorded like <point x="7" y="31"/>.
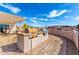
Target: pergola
<point x="9" y="18"/>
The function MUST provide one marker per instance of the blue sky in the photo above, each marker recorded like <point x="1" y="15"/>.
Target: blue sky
<point x="44" y="14"/>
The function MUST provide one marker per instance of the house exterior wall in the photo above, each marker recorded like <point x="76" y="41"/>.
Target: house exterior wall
<point x="13" y="28"/>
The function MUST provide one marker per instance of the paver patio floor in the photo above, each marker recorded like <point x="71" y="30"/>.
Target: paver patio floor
<point x="49" y="47"/>
<point x="53" y="46"/>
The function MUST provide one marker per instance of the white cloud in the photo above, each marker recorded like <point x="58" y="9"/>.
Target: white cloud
<point x="62" y="22"/>
<point x="43" y="19"/>
<point x="25" y="17"/>
<point x="39" y="19"/>
<point x="34" y="18"/>
<point x="66" y="16"/>
<point x="40" y="22"/>
<point x="11" y="8"/>
<point x="46" y="19"/>
<point x="76" y="18"/>
<point x="69" y="11"/>
<point x="34" y="21"/>
<point x="55" y="13"/>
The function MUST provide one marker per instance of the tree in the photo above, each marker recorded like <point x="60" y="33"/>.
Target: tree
<point x="25" y="27"/>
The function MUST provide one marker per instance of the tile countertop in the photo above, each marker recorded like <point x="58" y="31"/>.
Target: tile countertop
<point x="24" y="34"/>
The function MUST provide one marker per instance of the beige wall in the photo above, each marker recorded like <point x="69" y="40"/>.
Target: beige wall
<point x="67" y="34"/>
<point x="13" y="28"/>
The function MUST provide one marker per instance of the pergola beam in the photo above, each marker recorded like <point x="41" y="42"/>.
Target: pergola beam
<point x="9" y="18"/>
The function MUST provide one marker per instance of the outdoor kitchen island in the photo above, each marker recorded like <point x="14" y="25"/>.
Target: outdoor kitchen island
<point x="25" y="43"/>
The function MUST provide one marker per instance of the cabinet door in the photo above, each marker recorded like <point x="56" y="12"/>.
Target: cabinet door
<point x="27" y="44"/>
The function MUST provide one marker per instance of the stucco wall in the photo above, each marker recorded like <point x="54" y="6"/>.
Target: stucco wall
<point x="24" y="43"/>
<point x="13" y="28"/>
<point x="67" y="34"/>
